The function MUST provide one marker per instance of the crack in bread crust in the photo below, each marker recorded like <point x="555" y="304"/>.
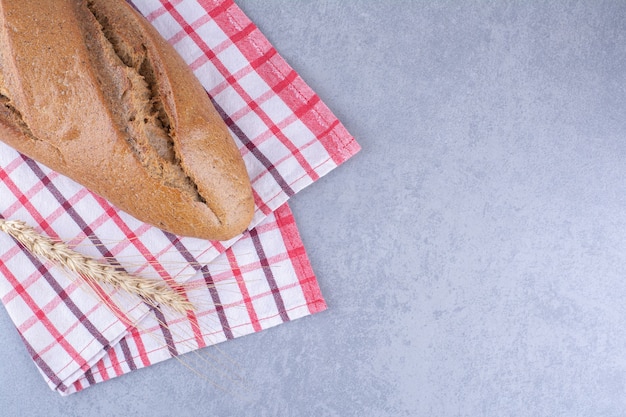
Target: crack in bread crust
<point x="127" y="76"/>
<point x="12" y="116"/>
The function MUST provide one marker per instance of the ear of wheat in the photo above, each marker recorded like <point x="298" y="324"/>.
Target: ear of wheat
<point x="151" y="291"/>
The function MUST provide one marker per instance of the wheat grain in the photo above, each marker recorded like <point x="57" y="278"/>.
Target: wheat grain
<point x="153" y="292"/>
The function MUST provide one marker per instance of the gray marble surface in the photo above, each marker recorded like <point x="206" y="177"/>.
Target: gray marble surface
<point x="473" y="255"/>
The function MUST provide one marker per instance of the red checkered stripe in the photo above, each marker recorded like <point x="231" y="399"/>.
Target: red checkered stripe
<point x="263" y="280"/>
<point x="57" y="317"/>
<point x="284" y="81"/>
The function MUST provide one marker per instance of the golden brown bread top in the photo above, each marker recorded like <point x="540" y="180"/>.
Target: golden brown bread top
<point x="90" y="89"/>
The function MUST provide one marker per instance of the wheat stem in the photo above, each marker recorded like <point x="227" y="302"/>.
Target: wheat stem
<point x="154" y="292"/>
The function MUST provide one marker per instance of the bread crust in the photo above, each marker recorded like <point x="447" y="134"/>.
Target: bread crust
<point x="90" y="89"/>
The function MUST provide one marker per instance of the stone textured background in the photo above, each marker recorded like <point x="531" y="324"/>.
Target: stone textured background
<point x="473" y="255"/>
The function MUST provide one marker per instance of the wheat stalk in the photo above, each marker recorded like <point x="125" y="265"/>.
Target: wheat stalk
<point x="154" y="292"/>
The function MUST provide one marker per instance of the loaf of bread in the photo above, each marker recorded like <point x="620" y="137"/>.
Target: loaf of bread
<point x="90" y="89"/>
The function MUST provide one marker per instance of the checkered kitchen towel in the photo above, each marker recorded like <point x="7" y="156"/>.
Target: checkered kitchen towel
<point x="288" y="139"/>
